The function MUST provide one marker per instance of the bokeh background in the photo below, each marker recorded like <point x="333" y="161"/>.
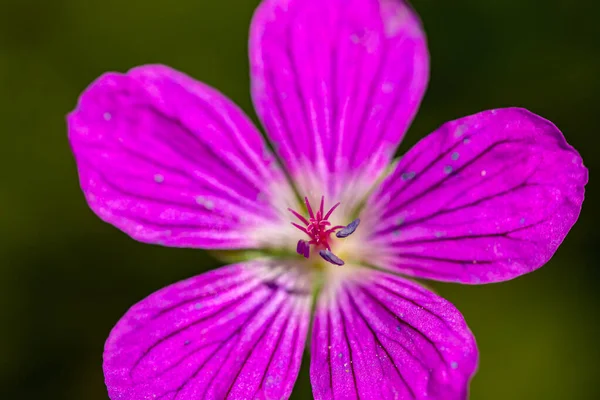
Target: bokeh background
<point x="66" y="277"/>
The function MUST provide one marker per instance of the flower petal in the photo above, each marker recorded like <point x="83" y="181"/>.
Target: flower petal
<point x="485" y="198"/>
<point x="169" y="160"/>
<point x="336" y="84"/>
<point x="234" y="333"/>
<point x="377" y="336"/>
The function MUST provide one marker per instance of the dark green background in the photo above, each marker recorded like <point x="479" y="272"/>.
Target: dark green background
<point x="66" y="277"/>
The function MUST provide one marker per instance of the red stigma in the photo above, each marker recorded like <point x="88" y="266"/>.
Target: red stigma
<point x="317" y="226"/>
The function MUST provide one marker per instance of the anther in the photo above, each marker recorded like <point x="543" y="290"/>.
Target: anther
<point x="328" y="256"/>
<point x="303" y="248"/>
<point x="319" y="230"/>
<point x="348" y="229"/>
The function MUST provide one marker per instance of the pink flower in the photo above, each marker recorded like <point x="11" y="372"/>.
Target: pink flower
<point x="331" y="226"/>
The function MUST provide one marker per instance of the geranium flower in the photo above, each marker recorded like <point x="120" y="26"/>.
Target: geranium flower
<point x="328" y="225"/>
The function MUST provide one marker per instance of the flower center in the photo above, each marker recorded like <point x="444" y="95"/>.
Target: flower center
<point x="319" y="230"/>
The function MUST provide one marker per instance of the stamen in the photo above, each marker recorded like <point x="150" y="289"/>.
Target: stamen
<point x="332" y="209"/>
<point x="303" y="248"/>
<point x="335" y="228"/>
<point x="328" y="256"/>
<point x="303" y="229"/>
<point x="299" y="216"/>
<point x="348" y="230"/>
<point x="321" y="207"/>
<point x="319" y="230"/>
<point x="310" y="211"/>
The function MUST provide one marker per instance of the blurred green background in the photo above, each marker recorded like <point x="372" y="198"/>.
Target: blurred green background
<point x="66" y="277"/>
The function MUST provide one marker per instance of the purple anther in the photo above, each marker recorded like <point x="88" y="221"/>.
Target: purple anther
<point x="330" y="257"/>
<point x="348" y="229"/>
<point x="303" y="248"/>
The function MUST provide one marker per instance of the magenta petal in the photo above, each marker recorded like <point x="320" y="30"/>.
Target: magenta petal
<point x="170" y="160"/>
<point x="336" y="84"/>
<point x="236" y="333"/>
<point x="377" y="336"/>
<point x="484" y="198"/>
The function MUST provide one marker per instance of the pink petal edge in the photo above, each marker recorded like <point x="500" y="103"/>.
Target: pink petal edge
<point x="234" y="333"/>
<point x="377" y="336"/>
<point x="336" y="84"/>
<point x="485" y="198"/>
<point x="171" y="161"/>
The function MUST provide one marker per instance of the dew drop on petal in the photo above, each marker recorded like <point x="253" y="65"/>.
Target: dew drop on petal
<point x="209" y="204"/>
<point x="455" y="155"/>
<point x="107" y="116"/>
<point x="158" y="178"/>
<point x="448" y="169"/>
<point x="387" y="87"/>
<point x="406" y="176"/>
<point x="459" y="131"/>
<point x="454" y="365"/>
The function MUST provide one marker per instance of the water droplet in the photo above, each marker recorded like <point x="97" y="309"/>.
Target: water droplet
<point x="448" y="169"/>
<point x="158" y="178"/>
<point x="209" y="204"/>
<point x="406" y="176"/>
<point x="387" y="87"/>
<point x="454" y="364"/>
<point x="522" y="221"/>
<point x="460" y="131"/>
<point x="107" y="116"/>
<point x="198" y="306"/>
<point x="455" y="155"/>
